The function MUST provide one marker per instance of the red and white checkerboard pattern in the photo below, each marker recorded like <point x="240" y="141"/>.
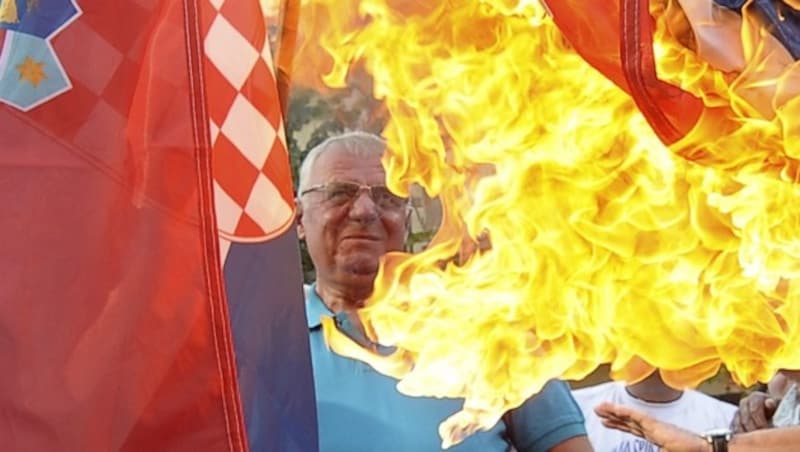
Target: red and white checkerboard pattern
<point x="252" y="178"/>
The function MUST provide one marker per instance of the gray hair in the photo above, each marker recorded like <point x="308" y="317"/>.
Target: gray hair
<point x="361" y="144"/>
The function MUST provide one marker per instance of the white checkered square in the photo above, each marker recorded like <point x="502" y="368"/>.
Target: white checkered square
<point x="266" y="206"/>
<point x="214" y="130"/>
<point x="224" y="247"/>
<point x="282" y="133"/>
<point x="230" y="52"/>
<point x="249" y="131"/>
<point x="266" y="55"/>
<point x="228" y="211"/>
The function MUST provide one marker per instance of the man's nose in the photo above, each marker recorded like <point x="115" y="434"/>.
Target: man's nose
<point x="363" y="207"/>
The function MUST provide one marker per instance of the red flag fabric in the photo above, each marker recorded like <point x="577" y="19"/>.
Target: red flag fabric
<point x="114" y="333"/>
<point x="616" y="37"/>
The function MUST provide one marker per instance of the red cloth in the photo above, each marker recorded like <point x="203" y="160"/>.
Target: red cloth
<point x="615" y="36"/>
<point x="113" y="327"/>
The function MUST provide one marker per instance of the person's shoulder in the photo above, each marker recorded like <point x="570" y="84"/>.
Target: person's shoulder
<point x="555" y="396"/>
<point x="315" y="308"/>
<point x="546" y="419"/>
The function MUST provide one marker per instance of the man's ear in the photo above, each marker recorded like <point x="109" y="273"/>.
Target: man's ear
<point x="301" y="231"/>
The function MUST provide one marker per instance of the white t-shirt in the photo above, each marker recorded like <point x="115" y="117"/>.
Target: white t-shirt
<point x="788" y="412"/>
<point x="693" y="411"/>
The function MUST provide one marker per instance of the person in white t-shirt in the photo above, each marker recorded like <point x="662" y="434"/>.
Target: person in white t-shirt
<point x="689" y="409"/>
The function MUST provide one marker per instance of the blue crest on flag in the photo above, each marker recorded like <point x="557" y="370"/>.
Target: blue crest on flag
<point x="30" y="71"/>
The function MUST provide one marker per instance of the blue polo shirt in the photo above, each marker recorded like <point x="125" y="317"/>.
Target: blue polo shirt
<point x="359" y="409"/>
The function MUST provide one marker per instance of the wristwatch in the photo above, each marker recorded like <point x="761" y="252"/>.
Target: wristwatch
<point x="718" y="439"/>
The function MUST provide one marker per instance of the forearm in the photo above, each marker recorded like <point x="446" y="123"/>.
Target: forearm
<point x="770" y="440"/>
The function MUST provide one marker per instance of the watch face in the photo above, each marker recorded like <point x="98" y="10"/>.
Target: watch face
<point x="718" y="433"/>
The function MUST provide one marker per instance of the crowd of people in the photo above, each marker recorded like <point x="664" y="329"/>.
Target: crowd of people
<point x="349" y="219"/>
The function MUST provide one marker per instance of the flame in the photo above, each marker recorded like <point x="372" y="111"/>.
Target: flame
<point x="606" y="246"/>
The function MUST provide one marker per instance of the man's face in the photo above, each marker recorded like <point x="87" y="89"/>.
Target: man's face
<point x="346" y="241"/>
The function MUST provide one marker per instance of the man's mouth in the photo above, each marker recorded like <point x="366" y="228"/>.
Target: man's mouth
<point x="364" y="237"/>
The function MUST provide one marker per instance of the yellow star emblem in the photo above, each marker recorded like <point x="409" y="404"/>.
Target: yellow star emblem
<point x="8" y="12"/>
<point x="31" y="71"/>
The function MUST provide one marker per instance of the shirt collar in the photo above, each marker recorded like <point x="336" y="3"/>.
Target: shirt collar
<point x="315" y="308"/>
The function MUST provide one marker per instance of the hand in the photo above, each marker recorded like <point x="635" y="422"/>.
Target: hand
<point x="755" y="413"/>
<point x="668" y="437"/>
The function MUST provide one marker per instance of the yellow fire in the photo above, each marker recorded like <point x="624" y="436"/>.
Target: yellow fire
<point x="606" y="246"/>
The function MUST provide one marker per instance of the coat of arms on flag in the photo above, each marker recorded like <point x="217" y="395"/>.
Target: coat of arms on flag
<point x="252" y="181"/>
<point x="30" y="71"/>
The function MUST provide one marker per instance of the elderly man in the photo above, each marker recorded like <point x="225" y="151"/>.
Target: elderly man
<point x="349" y="219"/>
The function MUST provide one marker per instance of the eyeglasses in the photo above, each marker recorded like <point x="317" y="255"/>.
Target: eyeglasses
<point x="337" y="194"/>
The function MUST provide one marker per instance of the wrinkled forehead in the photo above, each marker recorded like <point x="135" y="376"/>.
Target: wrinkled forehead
<point x="337" y="163"/>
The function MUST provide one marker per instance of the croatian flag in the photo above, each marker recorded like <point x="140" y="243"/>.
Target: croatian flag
<point x="150" y="283"/>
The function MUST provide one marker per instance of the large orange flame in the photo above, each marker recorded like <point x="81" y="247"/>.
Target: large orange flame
<point x="606" y="247"/>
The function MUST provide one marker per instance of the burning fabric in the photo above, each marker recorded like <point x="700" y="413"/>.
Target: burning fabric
<point x="677" y="250"/>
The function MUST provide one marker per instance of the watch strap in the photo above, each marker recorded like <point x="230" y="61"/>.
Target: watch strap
<point x="719" y="443"/>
